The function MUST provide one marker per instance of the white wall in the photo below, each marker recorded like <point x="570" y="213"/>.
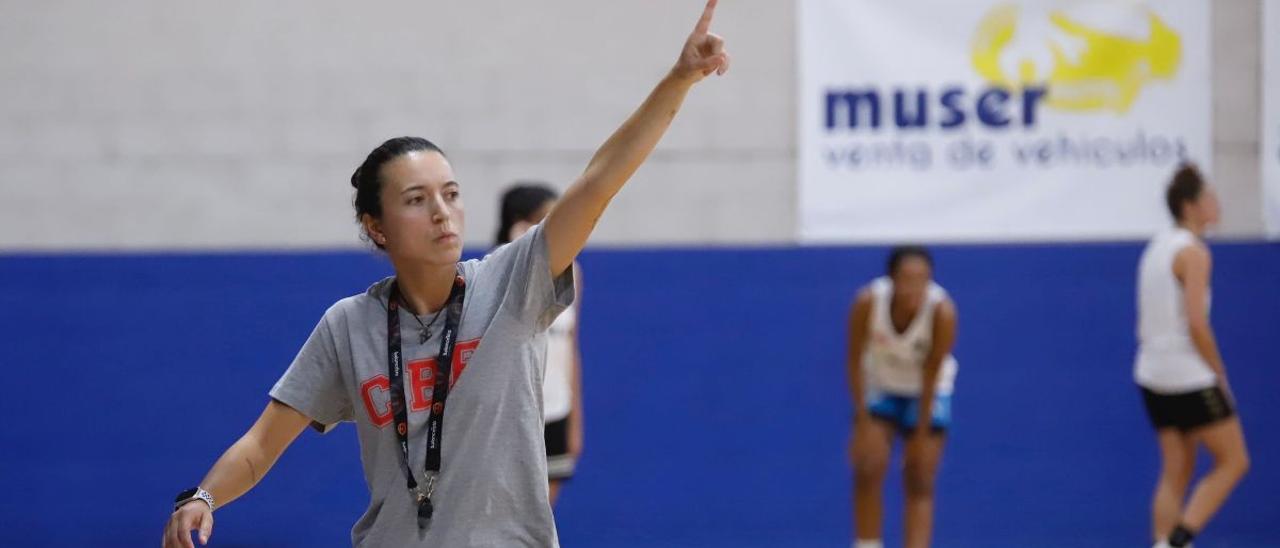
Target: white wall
<point x="162" y="124"/>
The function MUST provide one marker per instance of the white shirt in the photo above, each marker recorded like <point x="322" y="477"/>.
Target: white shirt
<point x="894" y="362"/>
<point x="557" y="385"/>
<point x="1167" y="360"/>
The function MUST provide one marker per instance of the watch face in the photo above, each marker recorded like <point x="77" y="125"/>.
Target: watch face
<point x="187" y="494"/>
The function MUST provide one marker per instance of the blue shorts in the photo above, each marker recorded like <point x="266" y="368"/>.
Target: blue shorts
<point x="902" y="411"/>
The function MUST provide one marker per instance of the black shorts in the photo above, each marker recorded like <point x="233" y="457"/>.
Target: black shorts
<point x="560" y="463"/>
<point x="1188" y="410"/>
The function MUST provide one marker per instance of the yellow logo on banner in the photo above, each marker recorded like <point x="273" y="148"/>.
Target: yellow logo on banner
<point x="1108" y="72"/>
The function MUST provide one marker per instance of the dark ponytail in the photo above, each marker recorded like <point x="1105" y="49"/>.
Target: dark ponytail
<point x="1185" y="186"/>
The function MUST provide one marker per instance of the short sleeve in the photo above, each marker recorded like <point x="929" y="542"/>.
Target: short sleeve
<point x="522" y="268"/>
<point x="313" y="383"/>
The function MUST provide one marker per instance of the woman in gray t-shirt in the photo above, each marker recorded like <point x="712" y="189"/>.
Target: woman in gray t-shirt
<point x="490" y="487"/>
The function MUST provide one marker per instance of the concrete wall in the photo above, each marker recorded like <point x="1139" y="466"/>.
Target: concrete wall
<point x="152" y="124"/>
<point x="1237" y="109"/>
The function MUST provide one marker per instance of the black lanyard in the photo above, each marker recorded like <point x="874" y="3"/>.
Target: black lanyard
<point x="439" y="392"/>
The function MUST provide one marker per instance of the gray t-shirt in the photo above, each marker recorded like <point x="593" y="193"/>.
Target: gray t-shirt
<point x="492" y="489"/>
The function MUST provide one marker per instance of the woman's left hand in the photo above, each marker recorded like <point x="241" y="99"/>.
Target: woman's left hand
<point x="703" y="51"/>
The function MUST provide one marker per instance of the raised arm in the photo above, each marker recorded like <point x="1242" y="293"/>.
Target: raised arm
<point x="574" y="217"/>
<point x="240" y="468"/>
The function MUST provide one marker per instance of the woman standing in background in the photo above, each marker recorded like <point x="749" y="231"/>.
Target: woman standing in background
<point x="523" y="207"/>
<point x="1179" y="370"/>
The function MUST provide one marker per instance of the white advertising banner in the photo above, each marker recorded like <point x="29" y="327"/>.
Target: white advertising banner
<point x="981" y="120"/>
<point x="1271" y="117"/>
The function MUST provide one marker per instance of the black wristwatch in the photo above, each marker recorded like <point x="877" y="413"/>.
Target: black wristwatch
<point x="194" y="493"/>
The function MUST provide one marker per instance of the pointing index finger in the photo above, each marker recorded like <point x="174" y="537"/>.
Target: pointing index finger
<point x="704" y="22"/>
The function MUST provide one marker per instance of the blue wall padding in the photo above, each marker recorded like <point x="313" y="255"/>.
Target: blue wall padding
<point x="716" y="400"/>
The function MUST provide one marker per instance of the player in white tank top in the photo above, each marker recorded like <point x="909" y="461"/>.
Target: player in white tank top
<point x="1179" y="370"/>
<point x="523" y="206"/>
<point x="894" y="361"/>
<point x="902" y="327"/>
<point x="1167" y="362"/>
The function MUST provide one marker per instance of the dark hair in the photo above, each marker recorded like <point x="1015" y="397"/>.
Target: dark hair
<point x="519" y="203"/>
<point x="1186" y="185"/>
<point x="367" y="178"/>
<point x="903" y="252"/>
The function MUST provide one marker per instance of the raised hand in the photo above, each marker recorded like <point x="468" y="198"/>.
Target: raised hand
<point x="703" y="51"/>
